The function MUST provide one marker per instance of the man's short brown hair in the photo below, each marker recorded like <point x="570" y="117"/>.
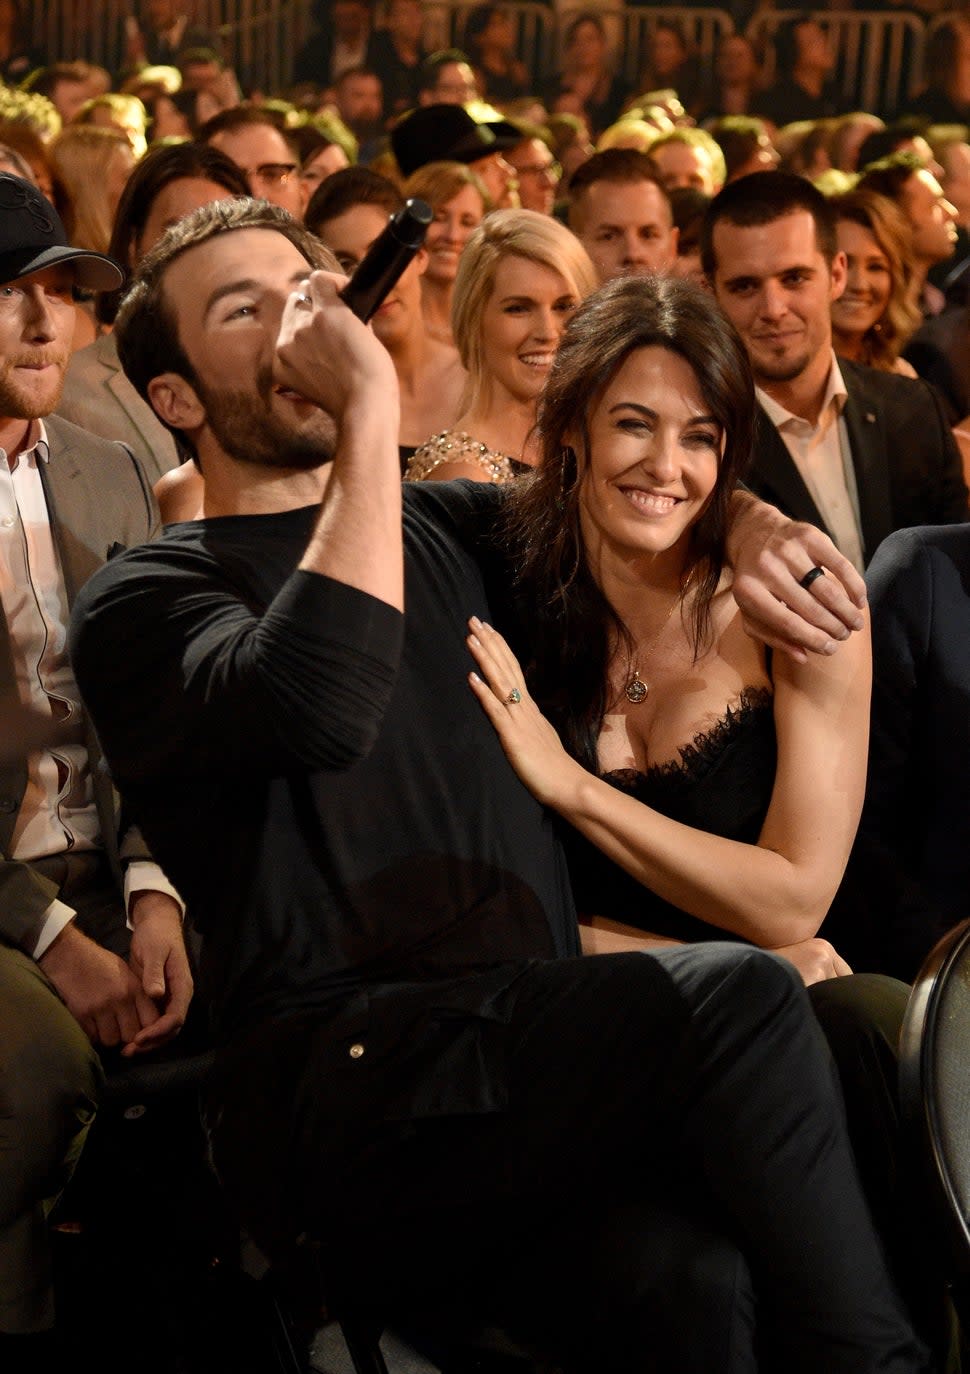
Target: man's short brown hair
<point x="622" y="166"/>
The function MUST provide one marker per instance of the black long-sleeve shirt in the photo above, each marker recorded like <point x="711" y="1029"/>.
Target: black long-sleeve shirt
<point x="312" y="768"/>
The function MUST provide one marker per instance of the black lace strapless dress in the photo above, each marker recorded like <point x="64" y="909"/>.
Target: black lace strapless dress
<point x="721" y="783"/>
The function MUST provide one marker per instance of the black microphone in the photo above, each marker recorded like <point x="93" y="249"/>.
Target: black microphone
<point x="386" y="258"/>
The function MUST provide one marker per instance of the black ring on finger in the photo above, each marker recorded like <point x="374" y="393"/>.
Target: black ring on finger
<point x="810" y="577"/>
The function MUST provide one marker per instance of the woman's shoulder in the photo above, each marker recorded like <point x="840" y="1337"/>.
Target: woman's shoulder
<point x="457" y="448"/>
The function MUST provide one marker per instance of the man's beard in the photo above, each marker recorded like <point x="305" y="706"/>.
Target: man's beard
<point x="780" y="369"/>
<point x="19" y="400"/>
<point x="249" y="430"/>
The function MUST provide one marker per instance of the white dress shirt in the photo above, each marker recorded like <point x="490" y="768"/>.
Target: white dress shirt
<point x="58" y="813"/>
<point x="822" y="455"/>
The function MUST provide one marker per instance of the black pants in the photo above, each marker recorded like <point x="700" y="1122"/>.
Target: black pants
<point x="671" y="1155"/>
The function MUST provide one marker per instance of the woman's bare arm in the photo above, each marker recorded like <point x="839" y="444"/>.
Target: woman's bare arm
<point x="773" y="893"/>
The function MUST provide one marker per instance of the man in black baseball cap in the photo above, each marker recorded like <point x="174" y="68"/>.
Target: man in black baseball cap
<point x="448" y="133"/>
<point x="72" y="978"/>
<point x="33" y="238"/>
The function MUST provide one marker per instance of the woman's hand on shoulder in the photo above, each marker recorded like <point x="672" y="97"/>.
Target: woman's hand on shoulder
<point x="815" y="960"/>
<point x="531" y="744"/>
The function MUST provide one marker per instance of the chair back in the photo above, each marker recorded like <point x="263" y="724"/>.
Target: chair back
<point x="934" y="1080"/>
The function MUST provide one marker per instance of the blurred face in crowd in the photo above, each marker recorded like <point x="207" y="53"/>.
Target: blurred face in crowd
<point x="537" y="173"/>
<point x="322" y="165"/>
<point x="956" y="180"/>
<point x="736" y="63"/>
<point x="774" y="285"/>
<point x="919" y="147"/>
<point x="763" y="158"/>
<point x="498" y="178"/>
<point x="666" y="52"/>
<point x="868" y="280"/>
<point x="522" y="324"/>
<point x="350" y="19"/>
<point x="348" y="237"/>
<point x="455" y="85"/>
<point x="854" y="134"/>
<point x="682" y="164"/>
<point x="174" y="201"/>
<point x="133" y="129"/>
<point x="162" y="14"/>
<point x="452" y="227"/>
<point x="360" y="100"/>
<point x="626" y="228"/>
<point x="68" y="97"/>
<point x="201" y="76"/>
<point x="814" y="53"/>
<point x="587" y="46"/>
<point x="267" y="162"/>
<point x="405" y="21"/>
<point x="498" y="35"/>
<point x="931" y="216"/>
<point x="36" y="332"/>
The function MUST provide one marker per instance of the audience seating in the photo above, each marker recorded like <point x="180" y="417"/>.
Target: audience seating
<point x="935" y="1097"/>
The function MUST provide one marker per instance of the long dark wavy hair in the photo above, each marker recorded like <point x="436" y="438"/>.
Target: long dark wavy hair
<point x="575" y="630"/>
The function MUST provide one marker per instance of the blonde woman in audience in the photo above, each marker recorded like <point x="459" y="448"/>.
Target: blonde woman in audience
<point x="93" y="166"/>
<point x="874" y="317"/>
<point x="115" y="111"/>
<point x="520" y="279"/>
<point x="634" y="132"/>
<point x="459" y="201"/>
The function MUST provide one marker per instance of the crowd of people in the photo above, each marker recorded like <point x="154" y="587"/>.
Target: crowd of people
<point x="428" y="767"/>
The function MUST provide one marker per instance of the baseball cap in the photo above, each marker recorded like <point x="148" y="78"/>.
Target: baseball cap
<point x="32" y="237"/>
<point x="447" y="133"/>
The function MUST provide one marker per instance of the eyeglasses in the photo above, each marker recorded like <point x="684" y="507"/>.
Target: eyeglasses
<point x="550" y="169"/>
<point x="271" y="173"/>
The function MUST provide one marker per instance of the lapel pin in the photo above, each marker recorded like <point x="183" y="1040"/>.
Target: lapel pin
<point x="870" y="418"/>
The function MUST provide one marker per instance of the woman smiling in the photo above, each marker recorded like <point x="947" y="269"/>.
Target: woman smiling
<point x="714" y="791"/>
<point x="520" y="279"/>
<point x="874" y="317"/>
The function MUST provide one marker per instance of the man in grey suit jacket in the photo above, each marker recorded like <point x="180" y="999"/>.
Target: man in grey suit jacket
<point x="98" y="396"/>
<point x="859" y="453"/>
<point x="71" y="976"/>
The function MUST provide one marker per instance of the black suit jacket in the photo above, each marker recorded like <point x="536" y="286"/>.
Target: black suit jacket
<point x="907" y="465"/>
<point x="908" y="878"/>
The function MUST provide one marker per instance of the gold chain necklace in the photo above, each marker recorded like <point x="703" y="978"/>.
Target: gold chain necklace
<point x="636" y="689"/>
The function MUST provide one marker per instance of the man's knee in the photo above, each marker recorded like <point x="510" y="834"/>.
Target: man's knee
<point x="49" y="1081"/>
<point x="740" y="983"/>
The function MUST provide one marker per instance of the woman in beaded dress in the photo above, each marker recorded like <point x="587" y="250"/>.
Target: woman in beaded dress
<point x="520" y="279"/>
<point x="714" y="791"/>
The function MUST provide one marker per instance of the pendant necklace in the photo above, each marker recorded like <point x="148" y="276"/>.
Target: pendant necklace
<point x="636" y="689"/>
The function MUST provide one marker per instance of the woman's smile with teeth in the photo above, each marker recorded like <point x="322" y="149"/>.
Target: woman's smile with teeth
<point x="651" y="502"/>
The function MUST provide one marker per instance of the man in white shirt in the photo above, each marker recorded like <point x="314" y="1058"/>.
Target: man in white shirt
<point x="71" y="976"/>
<point x="857" y="452"/>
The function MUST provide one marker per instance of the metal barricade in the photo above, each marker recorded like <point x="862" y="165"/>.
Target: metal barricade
<point x="878" y="55"/>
